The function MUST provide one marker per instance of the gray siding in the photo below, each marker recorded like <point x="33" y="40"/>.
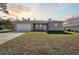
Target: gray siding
<point x="55" y="26"/>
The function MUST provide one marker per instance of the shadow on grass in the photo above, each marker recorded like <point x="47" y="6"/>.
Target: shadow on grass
<point x="5" y="31"/>
<point x="58" y="32"/>
<point x="77" y="31"/>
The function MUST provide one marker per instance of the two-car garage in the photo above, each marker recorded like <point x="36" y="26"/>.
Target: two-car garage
<point x="22" y="27"/>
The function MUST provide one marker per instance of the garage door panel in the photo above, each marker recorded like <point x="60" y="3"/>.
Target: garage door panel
<point x="23" y="27"/>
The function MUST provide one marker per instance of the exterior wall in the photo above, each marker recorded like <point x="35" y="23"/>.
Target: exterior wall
<point x="55" y="26"/>
<point x="74" y="28"/>
<point x="45" y="27"/>
<point x="73" y="25"/>
<point x="32" y="27"/>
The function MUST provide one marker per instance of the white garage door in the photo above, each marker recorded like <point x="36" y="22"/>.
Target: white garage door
<point x="23" y="27"/>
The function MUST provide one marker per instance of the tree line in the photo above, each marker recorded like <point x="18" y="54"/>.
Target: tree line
<point x="6" y="24"/>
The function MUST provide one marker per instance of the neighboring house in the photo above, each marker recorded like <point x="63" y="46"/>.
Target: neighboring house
<point x="72" y="24"/>
<point x="39" y="25"/>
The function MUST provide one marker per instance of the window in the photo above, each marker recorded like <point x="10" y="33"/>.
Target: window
<point x="56" y="25"/>
<point x="36" y="26"/>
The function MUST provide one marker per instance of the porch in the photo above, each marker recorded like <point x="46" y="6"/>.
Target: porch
<point x="39" y="26"/>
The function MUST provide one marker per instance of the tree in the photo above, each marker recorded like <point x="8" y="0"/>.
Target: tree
<point x="3" y="7"/>
<point x="6" y="24"/>
<point x="1" y="24"/>
<point x="28" y="19"/>
<point x="24" y="19"/>
<point x="49" y="19"/>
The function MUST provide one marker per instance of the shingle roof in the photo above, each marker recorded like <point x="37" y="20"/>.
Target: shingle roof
<point x="36" y="21"/>
<point x="73" y="18"/>
<point x="57" y="21"/>
<point x="39" y="21"/>
<point x="23" y="22"/>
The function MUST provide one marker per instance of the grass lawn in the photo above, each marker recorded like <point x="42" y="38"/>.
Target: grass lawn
<point x="36" y="43"/>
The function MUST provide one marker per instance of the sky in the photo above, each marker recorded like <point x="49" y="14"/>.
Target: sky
<point x="43" y="11"/>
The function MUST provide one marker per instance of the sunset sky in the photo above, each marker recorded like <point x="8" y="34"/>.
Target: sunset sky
<point x="43" y="11"/>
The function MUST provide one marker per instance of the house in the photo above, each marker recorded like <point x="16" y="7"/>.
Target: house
<point x="39" y="25"/>
<point x="72" y="23"/>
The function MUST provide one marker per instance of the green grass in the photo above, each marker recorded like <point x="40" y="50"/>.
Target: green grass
<point x="43" y="43"/>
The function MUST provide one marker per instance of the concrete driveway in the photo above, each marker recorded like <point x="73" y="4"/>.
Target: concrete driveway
<point x="4" y="37"/>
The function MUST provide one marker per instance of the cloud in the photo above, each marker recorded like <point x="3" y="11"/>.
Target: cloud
<point x="16" y="10"/>
<point x="22" y="10"/>
<point x="62" y="6"/>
